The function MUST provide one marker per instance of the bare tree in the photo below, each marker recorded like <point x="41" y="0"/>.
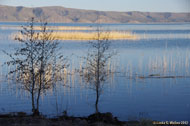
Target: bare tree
<point x="95" y="71"/>
<point x="38" y="61"/>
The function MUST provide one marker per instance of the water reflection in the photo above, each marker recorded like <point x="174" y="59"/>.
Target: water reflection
<point x="149" y="78"/>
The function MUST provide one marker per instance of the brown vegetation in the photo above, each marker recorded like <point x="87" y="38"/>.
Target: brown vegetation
<point x="114" y="35"/>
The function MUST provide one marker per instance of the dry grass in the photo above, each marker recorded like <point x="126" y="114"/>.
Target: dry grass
<point x="113" y="35"/>
<point x="93" y="35"/>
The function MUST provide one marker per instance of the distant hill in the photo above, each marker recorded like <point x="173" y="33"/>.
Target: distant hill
<point x="68" y="15"/>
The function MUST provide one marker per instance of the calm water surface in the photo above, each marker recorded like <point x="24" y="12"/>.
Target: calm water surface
<point x="132" y="92"/>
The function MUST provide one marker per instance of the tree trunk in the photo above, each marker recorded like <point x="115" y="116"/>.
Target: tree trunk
<point x="39" y="91"/>
<point x="97" y="100"/>
<point x="35" y="111"/>
<point x="37" y="100"/>
<point x="33" y="105"/>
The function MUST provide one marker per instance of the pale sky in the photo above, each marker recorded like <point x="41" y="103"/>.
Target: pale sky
<point x="109" y="5"/>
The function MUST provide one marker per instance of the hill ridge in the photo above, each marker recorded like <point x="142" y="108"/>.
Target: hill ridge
<point x="58" y="14"/>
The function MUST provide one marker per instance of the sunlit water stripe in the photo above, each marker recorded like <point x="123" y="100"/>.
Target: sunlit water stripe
<point x="164" y="36"/>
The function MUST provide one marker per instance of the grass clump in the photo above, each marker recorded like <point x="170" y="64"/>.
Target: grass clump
<point x="114" y="35"/>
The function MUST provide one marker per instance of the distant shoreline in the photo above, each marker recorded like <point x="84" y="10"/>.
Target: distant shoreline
<point x="148" y="23"/>
<point x="60" y="14"/>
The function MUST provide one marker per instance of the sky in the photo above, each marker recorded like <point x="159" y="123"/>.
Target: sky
<point x="109" y="5"/>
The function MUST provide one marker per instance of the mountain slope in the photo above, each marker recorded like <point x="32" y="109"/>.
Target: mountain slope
<point x="68" y="15"/>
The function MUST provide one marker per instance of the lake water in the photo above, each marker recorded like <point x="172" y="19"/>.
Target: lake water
<point x="132" y="92"/>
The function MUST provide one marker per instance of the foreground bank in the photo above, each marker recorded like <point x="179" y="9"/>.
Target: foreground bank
<point x="100" y="119"/>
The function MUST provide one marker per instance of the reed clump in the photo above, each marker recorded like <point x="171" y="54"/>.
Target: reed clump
<point x="113" y="35"/>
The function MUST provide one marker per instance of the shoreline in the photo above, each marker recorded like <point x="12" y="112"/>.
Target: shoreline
<point x="87" y="23"/>
<point x="98" y="119"/>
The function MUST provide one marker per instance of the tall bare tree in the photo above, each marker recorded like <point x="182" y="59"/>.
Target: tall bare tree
<point x="95" y="71"/>
<point x="38" y="61"/>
